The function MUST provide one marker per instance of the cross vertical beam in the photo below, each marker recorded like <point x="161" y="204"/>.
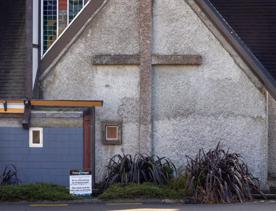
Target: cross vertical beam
<point x="145" y="42"/>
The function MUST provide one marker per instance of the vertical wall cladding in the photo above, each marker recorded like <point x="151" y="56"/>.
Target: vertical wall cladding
<point x="272" y="136"/>
<point x="113" y="31"/>
<point x="62" y="150"/>
<point x="198" y="106"/>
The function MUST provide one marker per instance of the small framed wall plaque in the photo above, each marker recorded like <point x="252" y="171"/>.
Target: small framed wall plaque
<point x="112" y="133"/>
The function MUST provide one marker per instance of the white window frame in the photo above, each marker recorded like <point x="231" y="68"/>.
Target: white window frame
<point x="41" y="28"/>
<point x="31" y="144"/>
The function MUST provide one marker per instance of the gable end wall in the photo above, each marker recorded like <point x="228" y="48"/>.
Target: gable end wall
<point x="197" y="107"/>
<point x="193" y="106"/>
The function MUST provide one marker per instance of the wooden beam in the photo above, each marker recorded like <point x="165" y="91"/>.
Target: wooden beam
<point x="145" y="43"/>
<point x="12" y="106"/>
<point x="11" y="101"/>
<point x="157" y="59"/>
<point x="19" y="106"/>
<point x="26" y="122"/>
<point x="93" y="143"/>
<point x="59" y="103"/>
<point x="87" y="140"/>
<point x="66" y="103"/>
<point x="176" y="60"/>
<point x="12" y="111"/>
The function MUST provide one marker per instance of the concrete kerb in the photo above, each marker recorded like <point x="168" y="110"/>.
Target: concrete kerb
<point x="98" y="201"/>
<point x="257" y="197"/>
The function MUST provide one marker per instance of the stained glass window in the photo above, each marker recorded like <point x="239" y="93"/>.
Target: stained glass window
<point x="56" y="16"/>
<point x="62" y="15"/>
<point x="74" y="8"/>
<point x="49" y="23"/>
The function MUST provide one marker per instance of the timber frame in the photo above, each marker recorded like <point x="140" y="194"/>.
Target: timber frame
<point x="23" y="106"/>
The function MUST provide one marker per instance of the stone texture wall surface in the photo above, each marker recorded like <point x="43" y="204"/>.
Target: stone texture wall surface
<point x="114" y="31"/>
<point x="10" y="121"/>
<point x="193" y="106"/>
<point x="272" y="137"/>
<point x="197" y="107"/>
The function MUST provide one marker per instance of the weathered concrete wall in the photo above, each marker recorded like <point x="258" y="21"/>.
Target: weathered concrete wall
<point x="193" y="106"/>
<point x="57" y="119"/>
<point x="10" y="121"/>
<point x="272" y="137"/>
<point x="113" y="31"/>
<point x="197" y="107"/>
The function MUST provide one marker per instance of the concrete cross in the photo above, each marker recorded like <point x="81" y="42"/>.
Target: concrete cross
<point x="146" y="60"/>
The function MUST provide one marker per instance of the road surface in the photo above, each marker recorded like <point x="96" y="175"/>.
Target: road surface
<point x="253" y="206"/>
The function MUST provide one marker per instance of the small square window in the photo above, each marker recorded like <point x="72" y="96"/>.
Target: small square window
<point x="36" y="137"/>
<point x="112" y="133"/>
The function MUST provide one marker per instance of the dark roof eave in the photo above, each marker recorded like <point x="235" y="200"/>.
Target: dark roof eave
<point x="245" y="53"/>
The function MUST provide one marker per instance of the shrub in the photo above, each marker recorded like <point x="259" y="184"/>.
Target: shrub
<point x="33" y="192"/>
<point x="9" y="175"/>
<point x="126" y="169"/>
<point x="219" y="176"/>
<point x="145" y="190"/>
<point x="179" y="183"/>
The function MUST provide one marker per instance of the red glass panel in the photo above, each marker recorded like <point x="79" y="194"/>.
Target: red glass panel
<point x="62" y="15"/>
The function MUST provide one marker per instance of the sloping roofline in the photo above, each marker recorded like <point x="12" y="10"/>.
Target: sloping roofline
<point x="67" y="39"/>
<point x="206" y="6"/>
<point x="244" y="52"/>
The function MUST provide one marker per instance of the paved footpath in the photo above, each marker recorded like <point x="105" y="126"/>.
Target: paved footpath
<point x="253" y="206"/>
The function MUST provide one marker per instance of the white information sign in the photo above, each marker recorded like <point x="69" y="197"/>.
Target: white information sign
<point x="80" y="182"/>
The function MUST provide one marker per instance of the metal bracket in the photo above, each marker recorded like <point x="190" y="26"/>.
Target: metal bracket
<point x="36" y="45"/>
<point x="27" y="103"/>
<point x="27" y="114"/>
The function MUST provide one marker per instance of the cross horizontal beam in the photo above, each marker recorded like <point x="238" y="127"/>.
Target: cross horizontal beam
<point x="122" y="59"/>
<point x="176" y="60"/>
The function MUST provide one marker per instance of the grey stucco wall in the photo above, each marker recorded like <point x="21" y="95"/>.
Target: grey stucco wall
<point x="10" y="121"/>
<point x="113" y="31"/>
<point x="62" y="151"/>
<point x="272" y="136"/>
<point x="193" y="106"/>
<point x="197" y="107"/>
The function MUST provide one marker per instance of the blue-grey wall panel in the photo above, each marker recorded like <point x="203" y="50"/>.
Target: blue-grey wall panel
<point x="62" y="150"/>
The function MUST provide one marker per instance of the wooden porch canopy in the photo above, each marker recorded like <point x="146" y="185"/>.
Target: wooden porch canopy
<point x="20" y="106"/>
